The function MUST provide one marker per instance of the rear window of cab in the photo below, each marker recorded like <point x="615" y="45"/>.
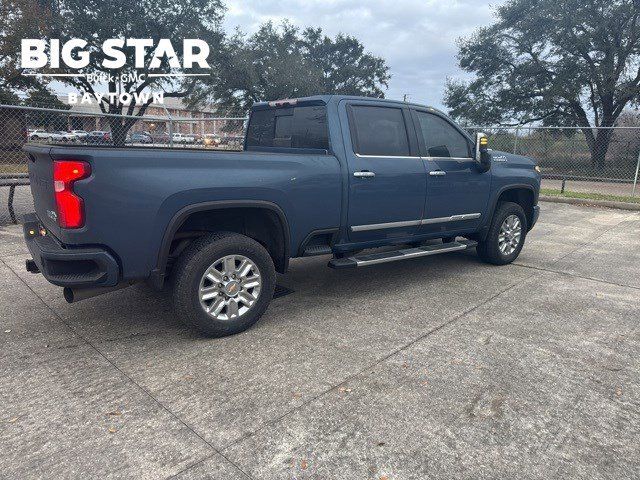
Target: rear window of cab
<point x="303" y="127"/>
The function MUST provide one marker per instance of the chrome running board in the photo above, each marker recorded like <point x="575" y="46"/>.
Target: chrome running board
<point x="357" y="261"/>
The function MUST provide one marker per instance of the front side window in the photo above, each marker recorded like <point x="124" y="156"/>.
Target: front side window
<point x="379" y="131"/>
<point x="440" y="138"/>
<point x="299" y="127"/>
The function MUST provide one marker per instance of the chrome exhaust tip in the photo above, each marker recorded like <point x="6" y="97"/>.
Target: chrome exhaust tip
<point x="74" y="295"/>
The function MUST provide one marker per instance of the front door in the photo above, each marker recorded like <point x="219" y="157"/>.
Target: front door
<point x="387" y="180"/>
<point x="457" y="189"/>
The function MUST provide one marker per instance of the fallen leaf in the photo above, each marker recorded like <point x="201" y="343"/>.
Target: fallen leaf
<point x="618" y="392"/>
<point x="112" y="430"/>
<point x="114" y="413"/>
<point x="384" y="477"/>
<point x="381" y="444"/>
<point x="405" y="365"/>
<point x="297" y="395"/>
<point x="188" y="377"/>
<point x="304" y="465"/>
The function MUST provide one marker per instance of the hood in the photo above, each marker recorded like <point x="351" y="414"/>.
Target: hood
<point x="511" y="160"/>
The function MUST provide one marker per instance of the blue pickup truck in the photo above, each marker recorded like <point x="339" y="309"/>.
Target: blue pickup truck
<point x="324" y="175"/>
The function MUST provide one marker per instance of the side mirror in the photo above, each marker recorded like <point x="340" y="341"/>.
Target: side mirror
<point x="483" y="157"/>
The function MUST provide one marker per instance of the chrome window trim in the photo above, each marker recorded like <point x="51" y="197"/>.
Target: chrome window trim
<point x="416" y="223"/>
<point x="417" y="157"/>
<point x="456" y="159"/>
<point x="359" y="155"/>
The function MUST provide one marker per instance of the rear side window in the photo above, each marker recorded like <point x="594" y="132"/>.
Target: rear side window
<point x="299" y="127"/>
<point x="379" y="131"/>
<point x="441" y="139"/>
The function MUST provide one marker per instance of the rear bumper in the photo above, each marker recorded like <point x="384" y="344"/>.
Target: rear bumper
<point x="69" y="267"/>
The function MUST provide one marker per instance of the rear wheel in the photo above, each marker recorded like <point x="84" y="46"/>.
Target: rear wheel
<point x="223" y="283"/>
<point x="506" y="235"/>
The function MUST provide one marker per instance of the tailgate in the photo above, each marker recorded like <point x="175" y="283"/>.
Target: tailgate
<point x="41" y="179"/>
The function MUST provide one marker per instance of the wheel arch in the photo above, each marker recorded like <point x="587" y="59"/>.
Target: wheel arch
<point x="278" y="244"/>
<point x="522" y="194"/>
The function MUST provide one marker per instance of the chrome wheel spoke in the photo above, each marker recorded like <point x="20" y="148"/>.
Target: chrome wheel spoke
<point x="232" y="309"/>
<point x="251" y="282"/>
<point x="213" y="275"/>
<point x="244" y="268"/>
<point x="208" y="293"/>
<point x="246" y="298"/>
<point x="216" y="306"/>
<point x="229" y="265"/>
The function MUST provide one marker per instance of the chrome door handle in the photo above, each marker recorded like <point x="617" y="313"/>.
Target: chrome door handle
<point x="364" y="174"/>
<point x="438" y="173"/>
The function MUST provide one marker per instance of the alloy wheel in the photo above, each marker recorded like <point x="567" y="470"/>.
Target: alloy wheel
<point x="510" y="235"/>
<point x="230" y="287"/>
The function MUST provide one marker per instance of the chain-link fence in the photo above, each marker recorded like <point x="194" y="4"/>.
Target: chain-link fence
<point x="590" y="164"/>
<point x="595" y="164"/>
<point x="80" y="126"/>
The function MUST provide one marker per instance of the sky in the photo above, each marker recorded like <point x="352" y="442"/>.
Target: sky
<point x="417" y="38"/>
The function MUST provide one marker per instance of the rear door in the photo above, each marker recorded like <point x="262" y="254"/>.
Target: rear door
<point x="387" y="182"/>
<point x="457" y="190"/>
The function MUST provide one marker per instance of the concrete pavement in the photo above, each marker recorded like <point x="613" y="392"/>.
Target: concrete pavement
<point x="435" y="368"/>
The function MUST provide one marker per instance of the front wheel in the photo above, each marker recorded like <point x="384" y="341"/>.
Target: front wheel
<point x="223" y="283"/>
<point x="506" y="235"/>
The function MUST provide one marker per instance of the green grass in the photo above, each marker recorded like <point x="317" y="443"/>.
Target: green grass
<point x="589" y="196"/>
<point x="10" y="169"/>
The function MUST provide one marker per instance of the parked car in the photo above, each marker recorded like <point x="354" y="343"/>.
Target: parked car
<point x="37" y="135"/>
<point x="211" y="140"/>
<point x="160" y="137"/>
<point x="66" y="136"/>
<point x="140" y="137"/>
<point x="182" y="138"/>
<point x="391" y="175"/>
<point x="80" y="135"/>
<point x="98" y="136"/>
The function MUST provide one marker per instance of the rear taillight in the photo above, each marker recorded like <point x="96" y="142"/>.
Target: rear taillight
<point x="70" y="206"/>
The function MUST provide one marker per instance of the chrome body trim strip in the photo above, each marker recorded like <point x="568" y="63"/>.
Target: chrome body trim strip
<point x="415" y="223"/>
<point x="382" y="226"/>
<point x="456" y="159"/>
<point x="453" y="218"/>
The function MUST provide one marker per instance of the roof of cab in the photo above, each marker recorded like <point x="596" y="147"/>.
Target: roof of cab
<point x="326" y="99"/>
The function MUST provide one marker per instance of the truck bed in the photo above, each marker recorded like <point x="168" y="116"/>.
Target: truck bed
<point x="133" y="193"/>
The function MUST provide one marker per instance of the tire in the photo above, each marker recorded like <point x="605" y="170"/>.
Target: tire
<point x="189" y="276"/>
<point x="489" y="250"/>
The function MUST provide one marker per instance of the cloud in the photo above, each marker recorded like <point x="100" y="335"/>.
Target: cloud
<point x="416" y="37"/>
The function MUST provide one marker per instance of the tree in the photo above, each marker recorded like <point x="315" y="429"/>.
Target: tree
<point x="284" y="62"/>
<point x="96" y="21"/>
<point x="18" y="19"/>
<point x="562" y="62"/>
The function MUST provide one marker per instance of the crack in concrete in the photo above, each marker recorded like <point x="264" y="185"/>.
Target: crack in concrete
<point x="130" y="379"/>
